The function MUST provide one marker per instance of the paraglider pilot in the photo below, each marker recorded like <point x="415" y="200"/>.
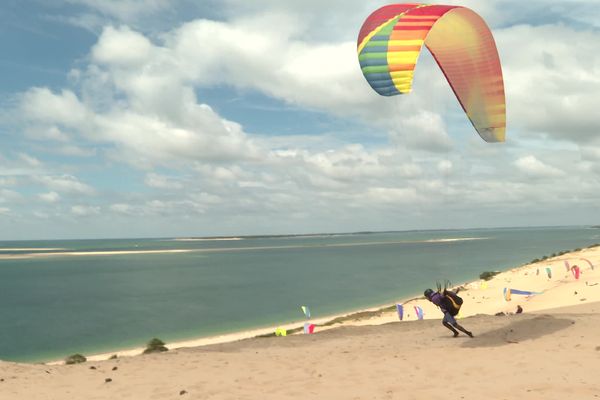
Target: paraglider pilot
<point x="447" y="302"/>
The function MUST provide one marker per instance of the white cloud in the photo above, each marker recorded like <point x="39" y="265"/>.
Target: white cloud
<point x="41" y="215"/>
<point x="122" y="208"/>
<point x="445" y="166"/>
<point x="41" y="105"/>
<point x="124" y="10"/>
<point x="4" y="211"/>
<point x="392" y="196"/>
<point x="7" y="181"/>
<point x="424" y="130"/>
<point x="65" y="183"/>
<point x="29" y="160"/>
<point x="85" y="211"/>
<point x="8" y="196"/>
<point x="76" y="151"/>
<point x="122" y="47"/>
<point x="161" y="182"/>
<point x="533" y="167"/>
<point x="50" y="197"/>
<point x="206" y="198"/>
<point x="552" y="83"/>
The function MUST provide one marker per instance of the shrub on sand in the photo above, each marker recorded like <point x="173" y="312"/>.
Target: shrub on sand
<point x="75" y="359"/>
<point x="487" y="275"/>
<point x="155" y="346"/>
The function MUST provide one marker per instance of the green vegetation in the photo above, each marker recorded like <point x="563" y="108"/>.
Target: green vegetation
<point x="487" y="275"/>
<point x="75" y="359"/>
<point x="561" y="253"/>
<point x="155" y="346"/>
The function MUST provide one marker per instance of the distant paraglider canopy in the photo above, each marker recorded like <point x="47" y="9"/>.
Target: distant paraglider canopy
<point x="391" y="39"/>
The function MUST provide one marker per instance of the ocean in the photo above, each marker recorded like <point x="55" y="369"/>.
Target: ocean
<point x="55" y="305"/>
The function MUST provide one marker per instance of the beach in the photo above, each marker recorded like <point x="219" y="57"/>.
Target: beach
<point x="549" y="351"/>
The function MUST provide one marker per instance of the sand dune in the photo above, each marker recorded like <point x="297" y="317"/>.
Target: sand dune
<point x="89" y="253"/>
<point x="28" y="249"/>
<point x="551" y="351"/>
<point x="551" y="355"/>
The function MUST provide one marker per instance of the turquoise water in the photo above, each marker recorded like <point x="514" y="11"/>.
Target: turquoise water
<point x="51" y="307"/>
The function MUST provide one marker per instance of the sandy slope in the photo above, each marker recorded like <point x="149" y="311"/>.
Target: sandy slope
<point x="552" y="355"/>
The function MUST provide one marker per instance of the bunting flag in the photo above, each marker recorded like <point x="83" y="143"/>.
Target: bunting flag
<point x="400" y="309"/>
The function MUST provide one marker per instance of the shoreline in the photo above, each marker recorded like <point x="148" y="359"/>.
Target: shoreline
<point x="554" y="293"/>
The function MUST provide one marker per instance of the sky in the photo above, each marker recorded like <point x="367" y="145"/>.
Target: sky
<point x="164" y="118"/>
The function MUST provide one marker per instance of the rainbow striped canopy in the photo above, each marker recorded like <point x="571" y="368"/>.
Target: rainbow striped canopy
<point x="391" y="39"/>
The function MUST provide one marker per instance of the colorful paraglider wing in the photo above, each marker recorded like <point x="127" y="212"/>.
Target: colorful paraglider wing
<point x="311" y="328"/>
<point x="280" y="332"/>
<point x="400" y="310"/>
<point x="507" y="293"/>
<point x="549" y="272"/>
<point x="306" y="311"/>
<point x="419" y="312"/>
<point x="390" y="42"/>
<point x="521" y="292"/>
<point x="575" y="270"/>
<point x="589" y="262"/>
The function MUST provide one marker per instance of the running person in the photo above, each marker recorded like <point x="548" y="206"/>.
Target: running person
<point x="446" y="306"/>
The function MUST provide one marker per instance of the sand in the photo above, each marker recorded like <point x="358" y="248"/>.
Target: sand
<point x="26" y="253"/>
<point x="550" y="351"/>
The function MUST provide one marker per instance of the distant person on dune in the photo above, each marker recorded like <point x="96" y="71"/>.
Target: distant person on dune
<point x="449" y="303"/>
